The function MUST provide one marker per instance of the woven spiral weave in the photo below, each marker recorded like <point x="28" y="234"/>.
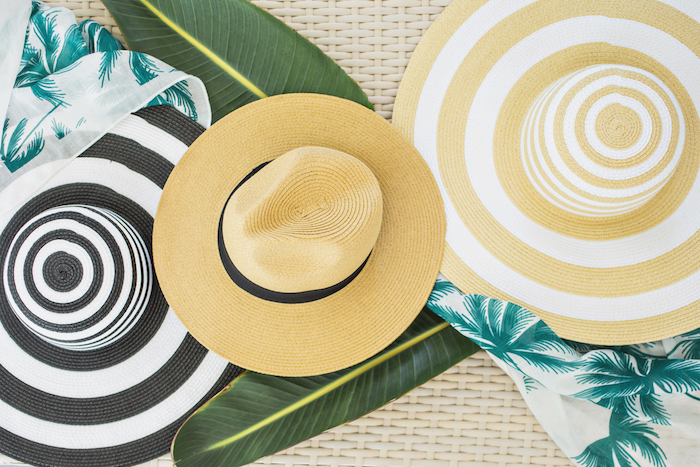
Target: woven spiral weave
<point x="471" y="415"/>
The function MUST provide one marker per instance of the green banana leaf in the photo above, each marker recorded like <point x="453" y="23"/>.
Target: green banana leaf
<point x="240" y="52"/>
<point x="258" y="414"/>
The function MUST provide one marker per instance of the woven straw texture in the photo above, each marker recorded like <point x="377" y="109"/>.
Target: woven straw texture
<point x="411" y="237"/>
<point x="471" y="415"/>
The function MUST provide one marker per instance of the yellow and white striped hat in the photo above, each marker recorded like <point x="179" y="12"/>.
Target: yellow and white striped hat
<point x="565" y="138"/>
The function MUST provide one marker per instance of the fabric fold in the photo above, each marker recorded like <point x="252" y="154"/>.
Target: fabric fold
<point x="633" y="405"/>
<point x="12" y="26"/>
<point x="73" y="83"/>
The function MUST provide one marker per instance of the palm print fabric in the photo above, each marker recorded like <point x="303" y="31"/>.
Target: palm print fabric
<point x="624" y="406"/>
<point x="71" y="83"/>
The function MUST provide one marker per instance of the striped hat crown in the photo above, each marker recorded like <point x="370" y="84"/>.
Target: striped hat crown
<point x="563" y="135"/>
<point x="95" y="367"/>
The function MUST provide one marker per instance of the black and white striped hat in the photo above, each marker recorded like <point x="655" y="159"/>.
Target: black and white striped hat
<point x="95" y="369"/>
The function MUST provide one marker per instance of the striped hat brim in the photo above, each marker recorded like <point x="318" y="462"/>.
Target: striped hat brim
<point x="95" y="368"/>
<point x="563" y="137"/>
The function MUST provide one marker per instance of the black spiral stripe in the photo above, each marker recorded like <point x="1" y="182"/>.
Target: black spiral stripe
<point x="141" y="288"/>
<point x="114" y="407"/>
<point x="125" y="455"/>
<point x="116" y="289"/>
<point x="153" y="313"/>
<point x="62" y="271"/>
<point x="54" y="307"/>
<point x="140" y="319"/>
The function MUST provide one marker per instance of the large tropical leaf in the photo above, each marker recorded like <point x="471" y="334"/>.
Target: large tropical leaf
<point x="261" y="414"/>
<point x="241" y="52"/>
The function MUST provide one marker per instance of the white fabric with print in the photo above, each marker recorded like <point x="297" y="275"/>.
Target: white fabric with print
<point x="73" y="82"/>
<point x="621" y="406"/>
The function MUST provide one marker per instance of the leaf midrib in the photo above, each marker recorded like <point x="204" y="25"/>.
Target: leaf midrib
<point x="329" y="387"/>
<point x="205" y="50"/>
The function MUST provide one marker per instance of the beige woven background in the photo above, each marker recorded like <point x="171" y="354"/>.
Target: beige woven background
<point x="471" y="415"/>
<point x="371" y="40"/>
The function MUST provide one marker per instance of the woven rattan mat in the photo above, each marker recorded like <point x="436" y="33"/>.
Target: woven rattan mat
<point x="471" y="415"/>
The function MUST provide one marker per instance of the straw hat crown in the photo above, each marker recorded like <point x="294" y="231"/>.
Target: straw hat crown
<point x="301" y="234"/>
<point x="305" y="221"/>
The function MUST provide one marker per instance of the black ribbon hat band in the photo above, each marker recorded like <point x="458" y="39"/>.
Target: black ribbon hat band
<point x="261" y="292"/>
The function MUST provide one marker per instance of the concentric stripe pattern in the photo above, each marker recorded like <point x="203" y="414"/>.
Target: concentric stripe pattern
<point x="78" y="277"/>
<point x="586" y="133"/>
<point x="564" y="137"/>
<point x="95" y="368"/>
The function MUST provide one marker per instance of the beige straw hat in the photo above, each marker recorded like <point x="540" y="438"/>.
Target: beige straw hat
<point x="299" y="235"/>
<point x="564" y="136"/>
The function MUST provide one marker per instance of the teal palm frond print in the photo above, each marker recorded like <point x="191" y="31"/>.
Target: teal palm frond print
<point x="91" y="31"/>
<point x="97" y="38"/>
<point x="648" y="406"/>
<point x="107" y="62"/>
<point x="630" y="385"/>
<point x="580" y="347"/>
<point x="9" y="154"/>
<point x="57" y="51"/>
<point x="647" y="350"/>
<point x="506" y="330"/>
<point x="687" y="346"/>
<point x="54" y="67"/>
<point x="670" y="376"/>
<point x="44" y="90"/>
<point x="629" y="440"/>
<point x="47" y="90"/>
<point x="28" y="51"/>
<point x="143" y="67"/>
<point x="33" y="149"/>
<point x="45" y="28"/>
<point x="443" y="289"/>
<point x="181" y="97"/>
<point x="73" y="48"/>
<point x="530" y="383"/>
<point x="15" y="143"/>
<point x="67" y="69"/>
<point x="638" y="350"/>
<point x="158" y="100"/>
<point x="59" y="129"/>
<point x="36" y="6"/>
<point x="646" y="393"/>
<point x="35" y="146"/>
<point x="33" y="71"/>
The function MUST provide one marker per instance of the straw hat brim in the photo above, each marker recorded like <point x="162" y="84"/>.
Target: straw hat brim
<point x="618" y="280"/>
<point x="301" y="338"/>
